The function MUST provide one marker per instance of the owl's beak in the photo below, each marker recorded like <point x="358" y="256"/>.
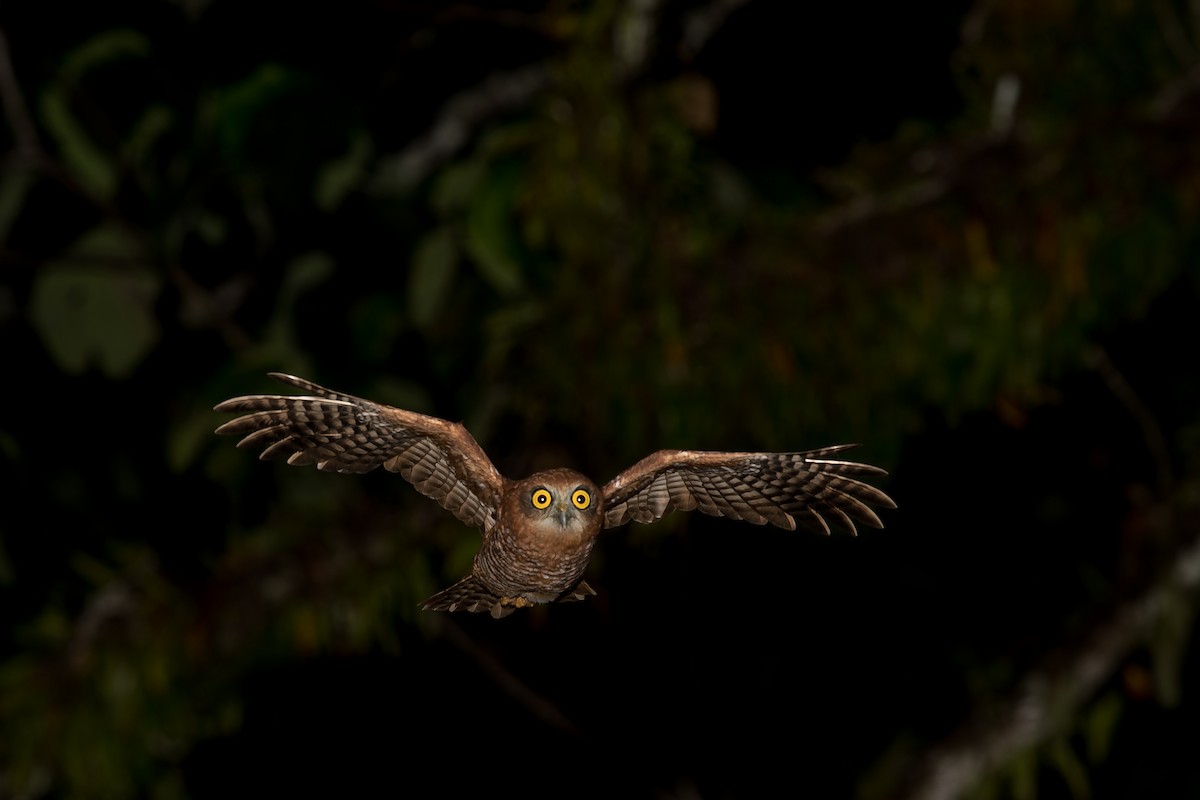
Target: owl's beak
<point x="562" y="513"/>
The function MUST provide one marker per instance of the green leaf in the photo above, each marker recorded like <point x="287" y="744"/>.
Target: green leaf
<point x="337" y="178"/>
<point x="92" y="314"/>
<point x="1168" y="646"/>
<point x="154" y="123"/>
<point x="435" y="263"/>
<point x="1070" y="768"/>
<point x="237" y="107"/>
<point x="187" y="437"/>
<point x="491" y="238"/>
<point x="1100" y="726"/>
<point x="456" y="186"/>
<point x="305" y="272"/>
<point x="103" y="48"/>
<point x="1023" y="772"/>
<point x="91" y="165"/>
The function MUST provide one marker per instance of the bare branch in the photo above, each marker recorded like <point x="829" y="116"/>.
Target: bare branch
<point x="504" y="679"/>
<point x="1054" y="692"/>
<point x="459" y="116"/>
<point x="504" y="92"/>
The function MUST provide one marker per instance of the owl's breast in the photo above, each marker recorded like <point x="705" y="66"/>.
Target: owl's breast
<point x="541" y="561"/>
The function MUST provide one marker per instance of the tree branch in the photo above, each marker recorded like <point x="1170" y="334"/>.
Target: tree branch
<point x="504" y="679"/>
<point x="1052" y="694"/>
<point x="1055" y="691"/>
<point x="459" y="116"/>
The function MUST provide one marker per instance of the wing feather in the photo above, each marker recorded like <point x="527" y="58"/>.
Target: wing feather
<point x="698" y="490"/>
<point x="782" y="489"/>
<point x="342" y="433"/>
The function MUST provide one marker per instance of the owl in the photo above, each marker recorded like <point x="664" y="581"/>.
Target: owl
<point x="538" y="532"/>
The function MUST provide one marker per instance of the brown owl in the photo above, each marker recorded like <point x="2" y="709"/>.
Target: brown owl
<point x="538" y="532"/>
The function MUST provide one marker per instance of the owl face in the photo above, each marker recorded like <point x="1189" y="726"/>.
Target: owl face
<point x="560" y="501"/>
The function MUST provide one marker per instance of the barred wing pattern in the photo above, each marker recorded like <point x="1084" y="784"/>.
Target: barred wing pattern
<point x="779" y="488"/>
<point x="343" y="433"/>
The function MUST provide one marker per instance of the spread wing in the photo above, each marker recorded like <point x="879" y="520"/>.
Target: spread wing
<point x="780" y="488"/>
<point x="342" y="433"/>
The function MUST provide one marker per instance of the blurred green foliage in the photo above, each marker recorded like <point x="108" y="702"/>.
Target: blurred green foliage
<point x="592" y="274"/>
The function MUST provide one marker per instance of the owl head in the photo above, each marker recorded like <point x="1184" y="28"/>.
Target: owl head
<point x="560" y="501"/>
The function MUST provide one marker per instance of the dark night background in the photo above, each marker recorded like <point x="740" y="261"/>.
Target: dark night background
<point x="961" y="234"/>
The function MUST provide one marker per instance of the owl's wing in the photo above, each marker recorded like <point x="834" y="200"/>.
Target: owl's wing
<point x="780" y="488"/>
<point x="343" y="433"/>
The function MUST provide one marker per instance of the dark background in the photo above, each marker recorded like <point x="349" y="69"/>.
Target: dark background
<point x="591" y="231"/>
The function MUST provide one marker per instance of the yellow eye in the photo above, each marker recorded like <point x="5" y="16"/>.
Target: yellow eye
<point x="581" y="498"/>
<point x="541" y="498"/>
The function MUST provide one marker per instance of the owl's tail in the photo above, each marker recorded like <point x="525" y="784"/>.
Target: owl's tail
<point x="467" y="595"/>
<point x="470" y="594"/>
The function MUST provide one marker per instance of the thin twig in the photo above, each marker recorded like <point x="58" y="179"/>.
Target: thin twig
<point x="1156" y="442"/>
<point x="509" y="683"/>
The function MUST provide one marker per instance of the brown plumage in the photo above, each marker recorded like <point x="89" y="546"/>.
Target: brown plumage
<point x="538" y="533"/>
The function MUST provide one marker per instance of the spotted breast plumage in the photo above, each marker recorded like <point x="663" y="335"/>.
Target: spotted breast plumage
<point x="538" y="532"/>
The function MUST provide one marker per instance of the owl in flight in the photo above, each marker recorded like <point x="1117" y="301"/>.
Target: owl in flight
<point x="538" y="532"/>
